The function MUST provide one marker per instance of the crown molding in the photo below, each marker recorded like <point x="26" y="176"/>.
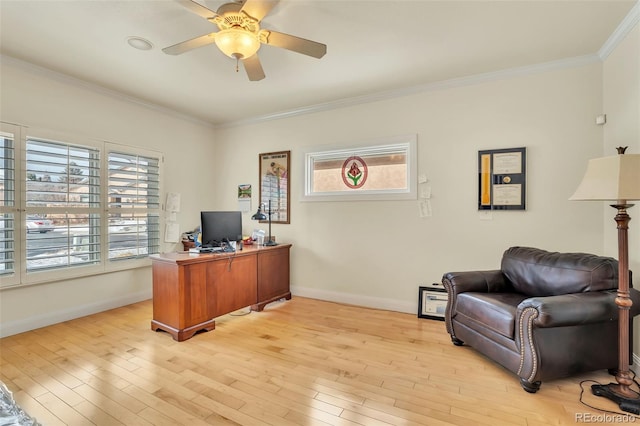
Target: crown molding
<point x="577" y="61"/>
<point x="621" y="31"/>
<point x="74" y="81"/>
<point x="566" y="63"/>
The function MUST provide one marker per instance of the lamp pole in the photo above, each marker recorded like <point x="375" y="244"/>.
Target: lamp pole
<point x="616" y="179"/>
<point x="621" y="393"/>
<point x="270" y="242"/>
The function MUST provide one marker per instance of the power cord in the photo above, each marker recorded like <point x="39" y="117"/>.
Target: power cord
<point x="227" y="248"/>
<point x="231" y="257"/>
<point x="623" y="413"/>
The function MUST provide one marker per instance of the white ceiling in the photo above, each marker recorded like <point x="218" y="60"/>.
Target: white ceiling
<point x="372" y="47"/>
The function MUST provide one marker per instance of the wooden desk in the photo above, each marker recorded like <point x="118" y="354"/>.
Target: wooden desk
<point x="191" y="290"/>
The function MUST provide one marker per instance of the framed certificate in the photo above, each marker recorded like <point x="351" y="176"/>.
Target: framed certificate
<point x="502" y="179"/>
<point x="432" y="302"/>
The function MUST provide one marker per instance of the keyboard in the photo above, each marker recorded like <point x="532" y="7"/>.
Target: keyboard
<point x="205" y="250"/>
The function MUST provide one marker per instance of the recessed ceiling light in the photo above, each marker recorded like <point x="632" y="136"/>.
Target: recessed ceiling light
<point x="139" y="43"/>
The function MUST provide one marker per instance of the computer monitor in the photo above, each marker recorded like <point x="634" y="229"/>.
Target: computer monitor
<point x="217" y="227"/>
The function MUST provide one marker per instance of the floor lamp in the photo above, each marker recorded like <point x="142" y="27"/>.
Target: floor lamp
<point x="617" y="179"/>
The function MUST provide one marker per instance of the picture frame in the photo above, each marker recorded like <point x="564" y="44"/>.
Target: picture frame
<point x="432" y="302"/>
<point x="275" y="185"/>
<point x="502" y="179"/>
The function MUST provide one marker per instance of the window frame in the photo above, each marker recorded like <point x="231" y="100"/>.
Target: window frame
<point x="20" y="276"/>
<point x="52" y="274"/>
<point x="14" y="278"/>
<point x="120" y="264"/>
<point x="408" y="143"/>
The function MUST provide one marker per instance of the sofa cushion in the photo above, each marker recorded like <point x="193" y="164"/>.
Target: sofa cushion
<point x="537" y="272"/>
<point x="496" y="311"/>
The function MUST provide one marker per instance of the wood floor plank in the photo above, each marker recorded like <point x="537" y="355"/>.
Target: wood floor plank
<point x="300" y="362"/>
<point x="226" y="412"/>
<point x="96" y="415"/>
<point x="167" y="404"/>
<point x="60" y="409"/>
<point x="119" y="411"/>
<point x="36" y="410"/>
<point x="156" y="418"/>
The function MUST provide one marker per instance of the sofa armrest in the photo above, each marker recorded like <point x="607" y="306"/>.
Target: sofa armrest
<point x="477" y="281"/>
<point x="575" y="308"/>
<point x="472" y="281"/>
<point x="538" y="313"/>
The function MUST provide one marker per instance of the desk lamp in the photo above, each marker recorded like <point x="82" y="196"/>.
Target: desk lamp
<point x="261" y="216"/>
<point x="617" y="179"/>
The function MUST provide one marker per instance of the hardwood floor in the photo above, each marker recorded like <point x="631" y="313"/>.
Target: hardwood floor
<point x="300" y="362"/>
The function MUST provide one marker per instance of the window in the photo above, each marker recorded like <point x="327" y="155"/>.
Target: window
<point x="80" y="207"/>
<point x="134" y="205"/>
<point x="373" y="172"/>
<point x="7" y="205"/>
<point x="62" y="205"/>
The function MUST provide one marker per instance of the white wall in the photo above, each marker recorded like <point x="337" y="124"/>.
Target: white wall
<point x="621" y="82"/>
<point x="36" y="98"/>
<point x="378" y="253"/>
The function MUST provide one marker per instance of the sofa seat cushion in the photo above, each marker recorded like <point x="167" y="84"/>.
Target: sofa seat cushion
<point x="496" y="311"/>
<point x="539" y="273"/>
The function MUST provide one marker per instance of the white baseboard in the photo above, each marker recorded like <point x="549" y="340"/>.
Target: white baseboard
<point x="356" y="299"/>
<point x="372" y="302"/>
<point x="49" y="318"/>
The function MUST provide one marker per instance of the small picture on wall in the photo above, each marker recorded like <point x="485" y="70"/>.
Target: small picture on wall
<point x="244" y="192"/>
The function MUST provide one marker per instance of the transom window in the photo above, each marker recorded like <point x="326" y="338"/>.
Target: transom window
<point x="381" y="171"/>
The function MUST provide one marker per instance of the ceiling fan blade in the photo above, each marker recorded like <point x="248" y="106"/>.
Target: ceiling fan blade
<point x="253" y="67"/>
<point x="198" y="9"/>
<point x="296" y="44"/>
<point x="258" y="9"/>
<point x="194" y="43"/>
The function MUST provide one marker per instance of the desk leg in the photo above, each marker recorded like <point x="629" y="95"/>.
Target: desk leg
<point x="184" y="334"/>
<point x="258" y="307"/>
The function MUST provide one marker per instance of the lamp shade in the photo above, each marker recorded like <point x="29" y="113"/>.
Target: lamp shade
<point x="611" y="178"/>
<point x="237" y="43"/>
<point x="259" y="215"/>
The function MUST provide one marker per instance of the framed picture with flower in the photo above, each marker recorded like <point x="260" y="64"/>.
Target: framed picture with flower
<point x="275" y="187"/>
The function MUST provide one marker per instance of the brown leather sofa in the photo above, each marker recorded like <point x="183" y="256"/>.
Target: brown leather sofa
<point x="543" y="315"/>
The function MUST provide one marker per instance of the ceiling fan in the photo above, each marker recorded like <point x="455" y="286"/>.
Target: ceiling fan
<point x="240" y="35"/>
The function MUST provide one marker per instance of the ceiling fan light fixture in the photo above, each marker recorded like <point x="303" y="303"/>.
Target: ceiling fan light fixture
<point x="237" y="43"/>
